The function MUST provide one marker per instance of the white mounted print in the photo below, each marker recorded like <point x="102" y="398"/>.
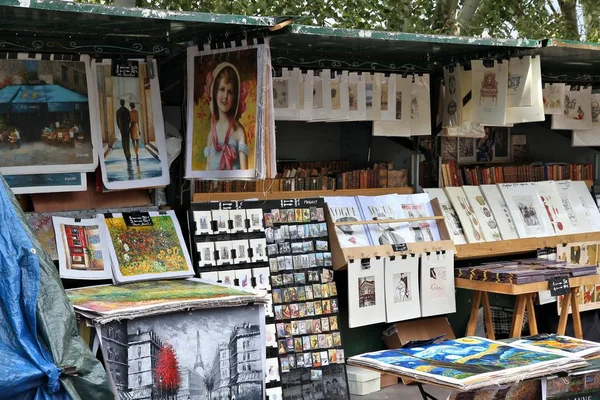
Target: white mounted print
<point x="203" y="222"/>
<point x="223" y="249"/>
<point x="554" y="96"/>
<point x="388" y="97"/>
<point x="357" y="101"/>
<point x="577" y="110"/>
<point x="591" y="208"/>
<point x="420" y="107"/>
<point x="534" y="111"/>
<point x="240" y="247"/>
<point x="526" y="209"/>
<point x="590" y="137"/>
<point x="505" y="222"/>
<point x="259" y="250"/>
<point x="383" y="208"/>
<point x="346" y="209"/>
<point x="450" y="216"/>
<point x="453" y="103"/>
<point x="574" y="207"/>
<point x="466" y="214"/>
<point x="305" y="96"/>
<point x="554" y="207"/>
<point x="221" y="219"/>
<point x="82" y="246"/>
<point x="206" y="254"/>
<point x="419" y="206"/>
<point x="489" y="88"/>
<point x="255" y="217"/>
<point x="520" y="81"/>
<point x="366" y="292"/>
<point x="238" y="219"/>
<point x="402" y="300"/>
<point x="437" y="284"/>
<point x="489" y="226"/>
<point x="286" y="84"/>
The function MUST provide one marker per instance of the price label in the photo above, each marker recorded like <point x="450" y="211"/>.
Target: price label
<point x="399" y="247"/>
<point x="228" y="205"/>
<point x="137" y="219"/>
<point x="559" y="285"/>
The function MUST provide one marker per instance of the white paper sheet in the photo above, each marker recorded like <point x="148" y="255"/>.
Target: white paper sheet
<point x="402" y="298"/>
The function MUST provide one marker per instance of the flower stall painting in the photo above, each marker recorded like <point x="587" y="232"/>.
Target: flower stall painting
<point x="152" y="251"/>
<point x="199" y="355"/>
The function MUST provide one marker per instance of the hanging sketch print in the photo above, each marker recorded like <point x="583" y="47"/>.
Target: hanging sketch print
<point x="402" y="299"/>
<point x="553" y="95"/>
<point x="45" y="110"/>
<point x="589" y="137"/>
<point x="226" y="111"/>
<point x="577" y="110"/>
<point x="437" y="284"/>
<point x="132" y="124"/>
<point x="366" y="292"/>
<point x="489" y="88"/>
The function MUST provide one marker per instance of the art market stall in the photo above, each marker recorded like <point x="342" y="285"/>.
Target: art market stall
<point x="236" y="207"/>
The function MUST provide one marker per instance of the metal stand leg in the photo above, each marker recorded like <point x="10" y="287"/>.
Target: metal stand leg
<point x="424" y="394"/>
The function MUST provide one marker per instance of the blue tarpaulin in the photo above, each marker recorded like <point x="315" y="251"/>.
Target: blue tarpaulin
<point x="32" y="98"/>
<point x="37" y="324"/>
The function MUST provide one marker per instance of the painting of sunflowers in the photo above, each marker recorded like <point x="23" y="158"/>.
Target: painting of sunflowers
<point x="148" y="252"/>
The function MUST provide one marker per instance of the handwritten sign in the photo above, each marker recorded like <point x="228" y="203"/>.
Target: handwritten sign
<point x="137" y="219"/>
<point x="399" y="247"/>
<point x="126" y="69"/>
<point x="559" y="285"/>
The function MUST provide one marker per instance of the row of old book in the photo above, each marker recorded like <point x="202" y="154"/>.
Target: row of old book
<point x="456" y="175"/>
<point x="303" y="179"/>
<point x="524" y="271"/>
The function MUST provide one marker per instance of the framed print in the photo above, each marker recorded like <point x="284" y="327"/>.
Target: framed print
<point x="131" y="124"/>
<point x="82" y="248"/>
<point x="47" y="116"/>
<point x="152" y="249"/>
<point x="226" y="108"/>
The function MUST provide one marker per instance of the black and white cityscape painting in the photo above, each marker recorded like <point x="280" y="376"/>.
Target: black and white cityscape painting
<point x="214" y="354"/>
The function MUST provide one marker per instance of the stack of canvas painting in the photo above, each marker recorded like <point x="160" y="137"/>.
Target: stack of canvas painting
<point x="468" y="363"/>
<point x="46" y="114"/>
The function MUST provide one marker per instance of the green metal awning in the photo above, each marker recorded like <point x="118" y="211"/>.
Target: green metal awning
<point x="577" y="60"/>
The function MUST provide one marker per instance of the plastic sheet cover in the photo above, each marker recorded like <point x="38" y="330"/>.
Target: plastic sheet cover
<point x="38" y="332"/>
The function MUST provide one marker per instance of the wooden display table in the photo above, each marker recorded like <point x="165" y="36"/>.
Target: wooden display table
<point x="524" y="301"/>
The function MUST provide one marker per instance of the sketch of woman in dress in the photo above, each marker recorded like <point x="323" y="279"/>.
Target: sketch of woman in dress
<point x="226" y="147"/>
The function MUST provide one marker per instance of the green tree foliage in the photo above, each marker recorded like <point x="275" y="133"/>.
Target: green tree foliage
<point x="497" y="18"/>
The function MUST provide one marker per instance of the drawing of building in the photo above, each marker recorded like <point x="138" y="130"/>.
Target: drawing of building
<point x="366" y="292"/>
<point x="143" y="355"/>
<point x="245" y="363"/>
<point x="115" y="346"/>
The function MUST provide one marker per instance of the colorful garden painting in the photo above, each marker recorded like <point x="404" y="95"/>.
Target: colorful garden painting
<point x="110" y="298"/>
<point x="148" y="252"/>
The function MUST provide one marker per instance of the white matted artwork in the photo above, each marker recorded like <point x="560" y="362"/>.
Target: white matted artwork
<point x="340" y="105"/>
<point x="221" y="219"/>
<point x="466" y="214"/>
<point x="489" y="87"/>
<point x="244" y="278"/>
<point x="554" y="207"/>
<point x="305" y="95"/>
<point x="238" y="219"/>
<point x="505" y="222"/>
<point x="227" y="277"/>
<point x="590" y="137"/>
<point x="450" y="216"/>
<point x="357" y="97"/>
<point x="401" y="125"/>
<point x="373" y="96"/>
<point x="554" y="96"/>
<point x="574" y="207"/>
<point x="82" y="247"/>
<point x="419" y="206"/>
<point x="47" y="183"/>
<point x="591" y="208"/>
<point x="223" y="249"/>
<point x="345" y="209"/>
<point x="261" y="278"/>
<point x="255" y="216"/>
<point x="240" y="247"/>
<point x="484" y="214"/>
<point x="437" y="284"/>
<point x="209" y="276"/>
<point x="63" y="135"/>
<point x="388" y="97"/>
<point x="275" y="393"/>
<point x="384" y="207"/>
<point x="534" y="111"/>
<point x="526" y="209"/>
<point x="175" y="344"/>
<point x="259" y="250"/>
<point x="146" y="246"/>
<point x="270" y="336"/>
<point x="452" y="102"/>
<point x="286" y="84"/>
<point x="272" y="371"/>
<point x="520" y="81"/>
<point x="206" y="254"/>
<point x="420" y="107"/>
<point x="402" y="300"/>
<point x="202" y="219"/>
<point x="132" y="126"/>
<point x="366" y="292"/>
<point x="321" y="106"/>
<point x="577" y="110"/>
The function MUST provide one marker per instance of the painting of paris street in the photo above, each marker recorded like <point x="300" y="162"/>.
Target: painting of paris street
<point x="214" y="354"/>
<point x="44" y="117"/>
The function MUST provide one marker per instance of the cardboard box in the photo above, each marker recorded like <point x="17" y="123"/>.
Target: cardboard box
<point x="388" y="380"/>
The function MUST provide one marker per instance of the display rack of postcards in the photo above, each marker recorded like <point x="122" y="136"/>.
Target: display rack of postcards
<point x="281" y="246"/>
